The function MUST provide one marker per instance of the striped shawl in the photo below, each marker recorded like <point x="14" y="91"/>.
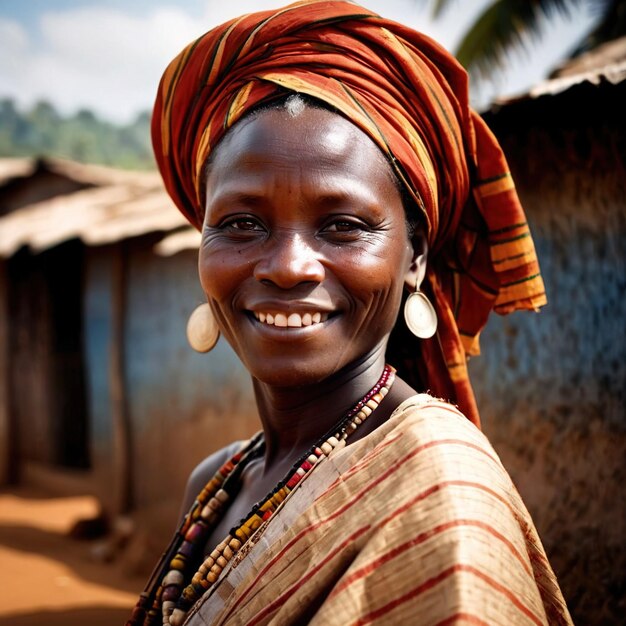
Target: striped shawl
<point x="417" y="523"/>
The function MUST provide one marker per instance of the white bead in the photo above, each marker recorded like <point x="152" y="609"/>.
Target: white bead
<point x="222" y="496"/>
<point x="178" y="617"/>
<point x="173" y="577"/>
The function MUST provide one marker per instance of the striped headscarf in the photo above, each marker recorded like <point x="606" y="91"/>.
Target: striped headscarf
<point x="410" y="97"/>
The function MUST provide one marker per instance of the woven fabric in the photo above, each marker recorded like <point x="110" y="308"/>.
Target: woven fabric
<point x="411" y="98"/>
<point x="417" y="523"/>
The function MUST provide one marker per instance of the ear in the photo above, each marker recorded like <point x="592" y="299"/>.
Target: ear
<point x="417" y="270"/>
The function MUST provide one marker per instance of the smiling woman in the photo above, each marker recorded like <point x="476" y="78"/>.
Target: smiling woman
<point x="336" y="170"/>
<point x="292" y="235"/>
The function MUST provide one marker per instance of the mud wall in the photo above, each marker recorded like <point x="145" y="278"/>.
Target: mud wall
<point x="552" y="387"/>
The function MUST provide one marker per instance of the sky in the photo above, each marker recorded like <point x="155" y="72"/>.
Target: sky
<point x="108" y="55"/>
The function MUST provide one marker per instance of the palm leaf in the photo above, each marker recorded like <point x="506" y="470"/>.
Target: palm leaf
<point x="505" y="25"/>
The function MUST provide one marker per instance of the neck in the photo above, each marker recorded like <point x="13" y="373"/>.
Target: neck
<point x="295" y="418"/>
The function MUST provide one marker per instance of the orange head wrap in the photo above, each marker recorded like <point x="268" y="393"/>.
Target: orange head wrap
<point x="411" y="98"/>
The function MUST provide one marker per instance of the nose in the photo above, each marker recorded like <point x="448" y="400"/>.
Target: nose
<point x="289" y="261"/>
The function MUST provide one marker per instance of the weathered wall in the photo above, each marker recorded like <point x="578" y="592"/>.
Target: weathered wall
<point x="551" y="387"/>
<point x="182" y="405"/>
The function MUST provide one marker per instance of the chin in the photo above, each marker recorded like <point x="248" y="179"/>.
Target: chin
<point x="292" y="373"/>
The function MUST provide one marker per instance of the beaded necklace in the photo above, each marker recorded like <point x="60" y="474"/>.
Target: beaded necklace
<point x="166" y="600"/>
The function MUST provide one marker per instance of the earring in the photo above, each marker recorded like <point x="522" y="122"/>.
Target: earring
<point x="420" y="315"/>
<point x="202" y="329"/>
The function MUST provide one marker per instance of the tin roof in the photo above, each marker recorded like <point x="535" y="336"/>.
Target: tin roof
<point x="119" y="205"/>
<point x="605" y="64"/>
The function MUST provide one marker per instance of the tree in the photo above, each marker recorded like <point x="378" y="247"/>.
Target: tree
<point x="508" y="24"/>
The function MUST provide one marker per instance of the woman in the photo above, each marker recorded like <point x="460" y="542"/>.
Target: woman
<point x="334" y="166"/>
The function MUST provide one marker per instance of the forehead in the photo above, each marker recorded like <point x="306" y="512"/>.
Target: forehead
<point x="315" y="139"/>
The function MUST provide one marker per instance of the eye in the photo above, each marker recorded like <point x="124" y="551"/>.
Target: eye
<point x="344" y="228"/>
<point x="242" y="223"/>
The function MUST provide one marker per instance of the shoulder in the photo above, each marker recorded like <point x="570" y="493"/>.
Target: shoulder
<point x="205" y="470"/>
<point x="426" y="423"/>
<point x="432" y="449"/>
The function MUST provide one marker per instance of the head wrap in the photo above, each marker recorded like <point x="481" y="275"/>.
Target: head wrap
<point x="410" y="97"/>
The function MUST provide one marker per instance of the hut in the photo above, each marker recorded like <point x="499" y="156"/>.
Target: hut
<point x="99" y="277"/>
<point x="99" y="390"/>
<point x="552" y="387"/>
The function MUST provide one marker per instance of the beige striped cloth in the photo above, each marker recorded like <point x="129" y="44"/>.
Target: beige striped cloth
<point x="417" y="523"/>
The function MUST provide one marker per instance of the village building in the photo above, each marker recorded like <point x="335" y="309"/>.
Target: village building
<point x="97" y="382"/>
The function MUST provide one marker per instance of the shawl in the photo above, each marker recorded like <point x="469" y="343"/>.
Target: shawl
<point x="362" y="541"/>
<point x="410" y="96"/>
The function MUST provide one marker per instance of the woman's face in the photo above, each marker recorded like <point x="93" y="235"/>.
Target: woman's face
<point x="305" y="245"/>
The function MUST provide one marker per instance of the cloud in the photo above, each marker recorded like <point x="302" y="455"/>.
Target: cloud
<point x="110" y="60"/>
<point x="92" y="57"/>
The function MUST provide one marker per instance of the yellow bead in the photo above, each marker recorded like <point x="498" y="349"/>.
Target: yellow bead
<point x="216" y="569"/>
<point x="326" y="448"/>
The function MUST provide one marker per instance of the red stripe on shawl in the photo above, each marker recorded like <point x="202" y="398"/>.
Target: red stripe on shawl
<point x="274" y="605"/>
<point x="313" y="527"/>
<point x="434" y="581"/>
<point x="366" y="461"/>
<point x="399" y="550"/>
<point x="350" y="503"/>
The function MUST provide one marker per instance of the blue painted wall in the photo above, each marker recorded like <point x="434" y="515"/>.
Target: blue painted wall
<point x="551" y="387"/>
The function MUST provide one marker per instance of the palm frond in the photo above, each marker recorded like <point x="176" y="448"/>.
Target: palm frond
<point x="503" y="26"/>
<point x="439" y="6"/>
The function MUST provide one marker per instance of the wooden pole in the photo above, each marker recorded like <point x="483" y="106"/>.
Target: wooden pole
<point x="9" y="444"/>
<point x="122" y="432"/>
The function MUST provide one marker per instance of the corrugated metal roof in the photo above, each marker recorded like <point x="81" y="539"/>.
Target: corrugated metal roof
<point x="187" y="239"/>
<point x="604" y="64"/>
<point x="124" y="204"/>
<point x="15" y="168"/>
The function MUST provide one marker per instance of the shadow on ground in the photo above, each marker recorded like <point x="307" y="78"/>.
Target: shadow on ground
<point x="94" y="616"/>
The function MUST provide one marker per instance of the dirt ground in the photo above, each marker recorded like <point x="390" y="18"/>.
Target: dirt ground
<point x="49" y="578"/>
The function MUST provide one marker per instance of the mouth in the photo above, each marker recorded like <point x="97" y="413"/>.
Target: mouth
<point x="290" y="320"/>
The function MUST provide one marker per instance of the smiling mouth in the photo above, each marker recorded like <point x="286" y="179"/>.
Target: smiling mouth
<point x="291" y="320"/>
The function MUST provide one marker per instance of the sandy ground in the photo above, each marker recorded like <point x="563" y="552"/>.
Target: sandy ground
<point x="48" y="578"/>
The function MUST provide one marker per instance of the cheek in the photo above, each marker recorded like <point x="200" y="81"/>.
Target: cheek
<point x="218" y="274"/>
<point x="376" y="279"/>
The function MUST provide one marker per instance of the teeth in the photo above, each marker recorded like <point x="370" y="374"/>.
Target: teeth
<point x="294" y="320"/>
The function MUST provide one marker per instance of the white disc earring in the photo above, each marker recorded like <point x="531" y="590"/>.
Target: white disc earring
<point x="420" y="315"/>
<point x="202" y="329"/>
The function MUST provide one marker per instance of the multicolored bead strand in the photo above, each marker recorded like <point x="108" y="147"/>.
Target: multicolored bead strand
<point x="170" y="602"/>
